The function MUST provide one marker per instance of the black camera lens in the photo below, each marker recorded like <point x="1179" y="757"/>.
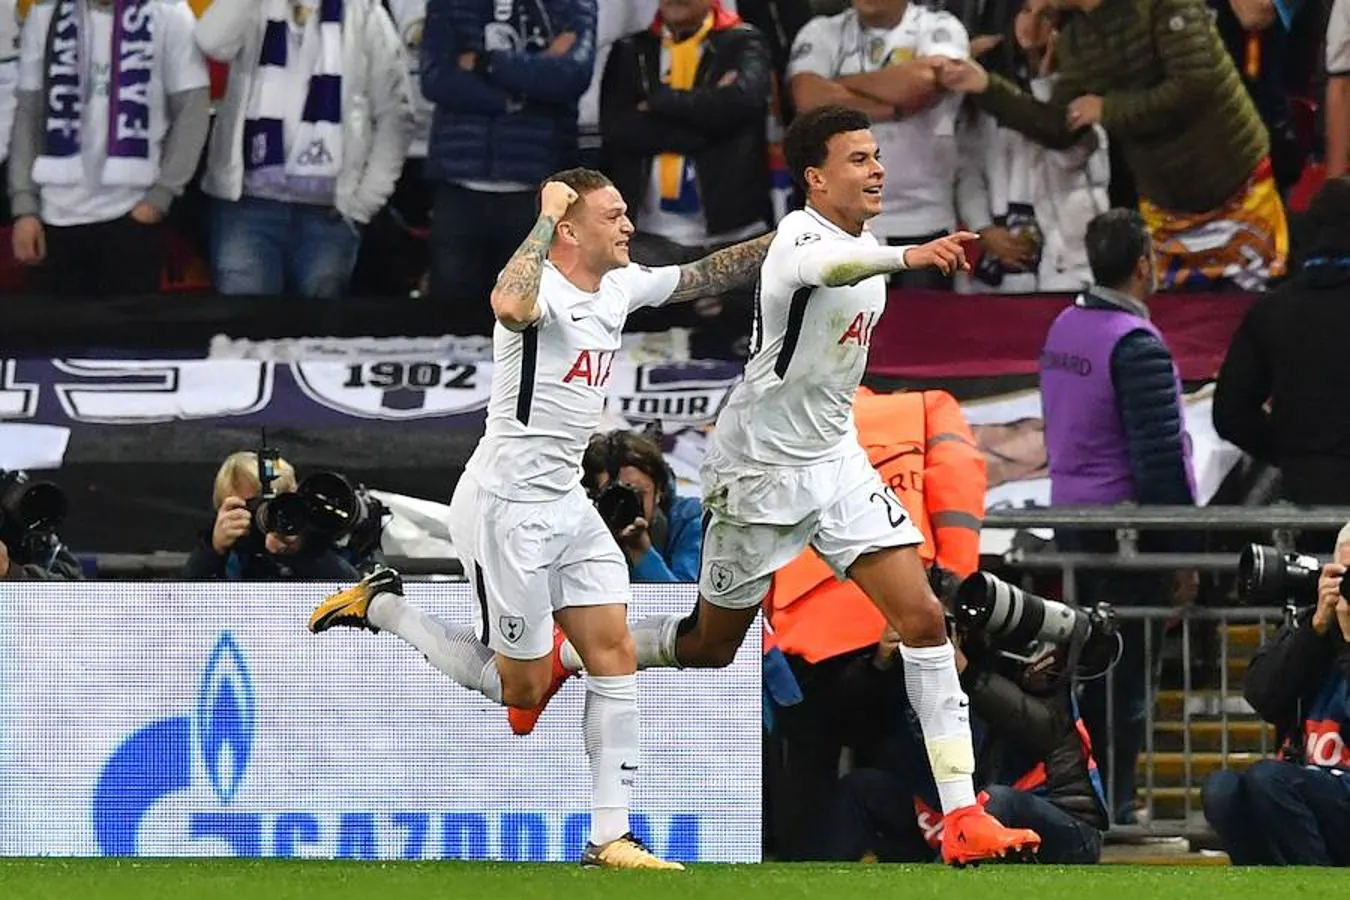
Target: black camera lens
<point x="1266" y="576"/>
<point x="284" y="514"/>
<point x="334" y="508"/>
<point x="619" y="506"/>
<point x="32" y="505"/>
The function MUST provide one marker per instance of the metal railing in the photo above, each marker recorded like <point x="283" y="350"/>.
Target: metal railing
<point x="1282" y="524"/>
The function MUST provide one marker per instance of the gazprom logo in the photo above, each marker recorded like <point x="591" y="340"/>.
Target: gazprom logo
<point x="226" y="716"/>
<point x="156" y="760"/>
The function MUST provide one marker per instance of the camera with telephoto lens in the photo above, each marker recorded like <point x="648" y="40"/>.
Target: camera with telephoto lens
<point x="1013" y="621"/>
<point x="30" y="513"/>
<point x="27" y="506"/>
<point x="619" y="505"/>
<point x="1266" y="576"/>
<point x="325" y="504"/>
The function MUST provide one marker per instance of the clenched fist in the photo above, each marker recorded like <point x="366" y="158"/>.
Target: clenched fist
<point x="556" y="199"/>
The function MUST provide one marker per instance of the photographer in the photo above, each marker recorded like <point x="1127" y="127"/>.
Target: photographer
<point x="236" y="548"/>
<point x="634" y="491"/>
<point x="30" y="549"/>
<point x="1033" y="757"/>
<point x="1295" y="810"/>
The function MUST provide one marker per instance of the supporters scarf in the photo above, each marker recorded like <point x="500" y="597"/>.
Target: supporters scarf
<point x="679" y="192"/>
<point x="133" y="78"/>
<point x="311" y="159"/>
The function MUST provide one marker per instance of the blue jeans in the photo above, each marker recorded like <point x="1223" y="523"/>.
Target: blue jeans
<point x="266" y="247"/>
<point x="874" y="813"/>
<point x="1064" y="839"/>
<point x="1280" y="814"/>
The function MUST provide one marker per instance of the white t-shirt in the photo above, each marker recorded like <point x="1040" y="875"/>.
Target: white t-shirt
<point x="549" y="381"/>
<point x="1338" y="39"/>
<point x="919" y="151"/>
<point x="179" y="67"/>
<point x="809" y="351"/>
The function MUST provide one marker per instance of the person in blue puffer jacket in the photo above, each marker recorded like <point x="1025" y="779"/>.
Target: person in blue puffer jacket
<point x="659" y="532"/>
<point x="505" y="77"/>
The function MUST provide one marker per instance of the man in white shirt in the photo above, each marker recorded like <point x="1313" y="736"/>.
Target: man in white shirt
<point x="1338" y="89"/>
<point x="104" y="140"/>
<point x="785" y="470"/>
<point x="879" y="57"/>
<point x="533" y="545"/>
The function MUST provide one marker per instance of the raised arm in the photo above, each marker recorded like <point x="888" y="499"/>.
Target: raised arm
<point x="515" y="299"/>
<point x="838" y="264"/>
<point x="722" y="271"/>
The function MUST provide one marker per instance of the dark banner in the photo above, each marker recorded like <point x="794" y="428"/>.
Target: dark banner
<point x="148" y="395"/>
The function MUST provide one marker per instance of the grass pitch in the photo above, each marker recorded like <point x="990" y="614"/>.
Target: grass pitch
<point x="141" y="879"/>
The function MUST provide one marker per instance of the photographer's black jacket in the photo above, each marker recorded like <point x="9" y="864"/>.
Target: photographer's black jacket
<point x="1037" y="728"/>
<point x="64" y="568"/>
<point x="1288" y="351"/>
<point x="321" y="564"/>
<point x="1290" y="670"/>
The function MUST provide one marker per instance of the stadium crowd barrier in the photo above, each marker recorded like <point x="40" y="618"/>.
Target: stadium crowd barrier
<point x="1194" y="725"/>
<point x="171" y="719"/>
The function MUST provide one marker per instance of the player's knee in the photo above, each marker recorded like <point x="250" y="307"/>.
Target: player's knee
<point x="611" y="655"/>
<point x="924" y="624"/>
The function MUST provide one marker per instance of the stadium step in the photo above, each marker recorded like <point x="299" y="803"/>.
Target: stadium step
<point x="1250" y="636"/>
<point x="1170" y="802"/>
<point x="1169" y="768"/>
<point x="1173" y="705"/>
<point x="1244" y="735"/>
<point x="1159" y="853"/>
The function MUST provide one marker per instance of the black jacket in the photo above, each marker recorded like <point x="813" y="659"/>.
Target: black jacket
<point x="1018" y="726"/>
<point x="65" y="567"/>
<point x="721" y="128"/>
<point x="1289" y="670"/>
<point x="1291" y="350"/>
<point x="310" y="564"/>
<point x="1028" y="726"/>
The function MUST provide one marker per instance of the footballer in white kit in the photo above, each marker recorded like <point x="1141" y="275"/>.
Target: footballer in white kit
<point x="785" y="469"/>
<point x="533" y="546"/>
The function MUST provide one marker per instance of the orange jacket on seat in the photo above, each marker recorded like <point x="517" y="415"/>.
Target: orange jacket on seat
<point x="924" y="449"/>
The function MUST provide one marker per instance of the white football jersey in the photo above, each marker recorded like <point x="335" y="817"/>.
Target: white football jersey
<point x="549" y="381"/>
<point x="808" y="354"/>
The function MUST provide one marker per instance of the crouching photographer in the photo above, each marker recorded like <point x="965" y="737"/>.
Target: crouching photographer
<point x="633" y="489"/>
<point x="1019" y="656"/>
<point x="1294" y="810"/>
<point x="30" y="548"/>
<point x="269" y="527"/>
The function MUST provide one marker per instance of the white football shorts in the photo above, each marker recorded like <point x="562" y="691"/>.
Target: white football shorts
<point x="757" y="519"/>
<point x="525" y="560"/>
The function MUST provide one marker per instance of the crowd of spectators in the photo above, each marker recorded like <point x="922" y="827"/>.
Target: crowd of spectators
<point x="393" y="147"/>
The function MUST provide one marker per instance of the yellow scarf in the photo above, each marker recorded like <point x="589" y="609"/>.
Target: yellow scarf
<point x="684" y="57"/>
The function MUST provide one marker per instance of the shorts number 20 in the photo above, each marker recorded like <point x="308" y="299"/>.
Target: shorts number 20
<point x="895" y="510"/>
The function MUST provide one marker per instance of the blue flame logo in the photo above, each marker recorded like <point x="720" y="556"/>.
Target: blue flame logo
<point x="226" y="714"/>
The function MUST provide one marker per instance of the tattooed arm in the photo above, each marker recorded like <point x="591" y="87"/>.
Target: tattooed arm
<point x="515" y="299"/>
<point x="719" y="272"/>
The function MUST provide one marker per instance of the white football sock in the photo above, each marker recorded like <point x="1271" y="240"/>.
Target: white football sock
<point x="934" y="690"/>
<point x="610" y="729"/>
<point x="655" y="638"/>
<point x="454" y="649"/>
